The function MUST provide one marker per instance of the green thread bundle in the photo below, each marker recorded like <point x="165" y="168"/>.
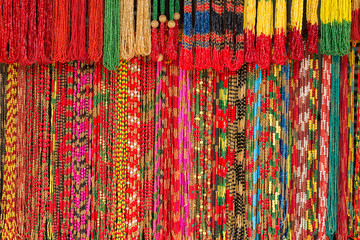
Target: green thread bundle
<point x="331" y="220"/>
<point x="111" y="34"/>
<point x="335" y="16"/>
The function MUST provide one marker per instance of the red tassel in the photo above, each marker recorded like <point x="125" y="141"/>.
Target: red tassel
<point x="77" y="49"/>
<point x="186" y="55"/>
<point x="32" y="40"/>
<point x="217" y="57"/>
<point x="176" y="38"/>
<point x="154" y="45"/>
<point x="3" y="32"/>
<point x="312" y="41"/>
<point x="49" y="31"/>
<point x="250" y="52"/>
<point x="355" y="34"/>
<point x="14" y="36"/>
<point x="162" y="38"/>
<point x="170" y="47"/>
<point x="296" y="46"/>
<point x="232" y="62"/>
<point x="24" y="9"/>
<point x="263" y="45"/>
<point x="95" y="30"/>
<point x="62" y="29"/>
<point x="279" y="55"/>
<point x="40" y="46"/>
<point x="198" y="63"/>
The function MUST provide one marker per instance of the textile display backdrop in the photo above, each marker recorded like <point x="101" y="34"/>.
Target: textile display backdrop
<point x="194" y="119"/>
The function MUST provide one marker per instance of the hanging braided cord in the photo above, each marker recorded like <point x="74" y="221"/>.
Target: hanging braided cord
<point x="234" y="34"/>
<point x="357" y="163"/>
<point x="208" y="152"/>
<point x="264" y="33"/>
<point x="265" y="148"/>
<point x="80" y="211"/>
<point x="231" y="144"/>
<point x="20" y="152"/>
<point x="186" y="52"/>
<point x="121" y="153"/>
<point x="352" y="148"/>
<point x="239" y="165"/>
<point x="221" y="153"/>
<point x="342" y="228"/>
<point x="127" y="31"/>
<point x="3" y="109"/>
<point x="280" y="29"/>
<point x="111" y="34"/>
<point x="312" y="25"/>
<point x="134" y="150"/>
<point x="95" y="33"/>
<point x="303" y="146"/>
<point x="313" y="171"/>
<point x="296" y="46"/>
<point x="324" y="142"/>
<point x="294" y="115"/>
<point x="285" y="170"/>
<point x="77" y="44"/>
<point x="217" y="34"/>
<point x="249" y="29"/>
<point x="174" y="168"/>
<point x="62" y="30"/>
<point x="158" y="173"/>
<point x="143" y="32"/>
<point x="149" y="92"/>
<point x="202" y="35"/>
<point x="275" y="153"/>
<point x="8" y="196"/>
<point x="250" y="97"/>
<point x="332" y="213"/>
<point x="355" y="18"/>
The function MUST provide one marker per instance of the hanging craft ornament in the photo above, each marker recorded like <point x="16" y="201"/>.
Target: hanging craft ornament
<point x="342" y="230"/>
<point x="312" y="25"/>
<point x="324" y="142"/>
<point x="162" y="19"/>
<point x="111" y="34"/>
<point x="186" y="52"/>
<point x="133" y="174"/>
<point x="172" y="41"/>
<point x="351" y="149"/>
<point x="285" y="152"/>
<point x="127" y="32"/>
<point x="249" y="28"/>
<point x="313" y="170"/>
<point x="217" y="34"/>
<point x="357" y="163"/>
<point x="333" y="195"/>
<point x="202" y="35"/>
<point x="62" y="30"/>
<point x="335" y="16"/>
<point x="155" y="50"/>
<point x="296" y="46"/>
<point x="77" y="45"/>
<point x="8" y="196"/>
<point x="279" y="52"/>
<point x="355" y="21"/>
<point x="234" y="34"/>
<point x="121" y="152"/>
<point x="143" y="32"/>
<point x="264" y="32"/>
<point x="95" y="30"/>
